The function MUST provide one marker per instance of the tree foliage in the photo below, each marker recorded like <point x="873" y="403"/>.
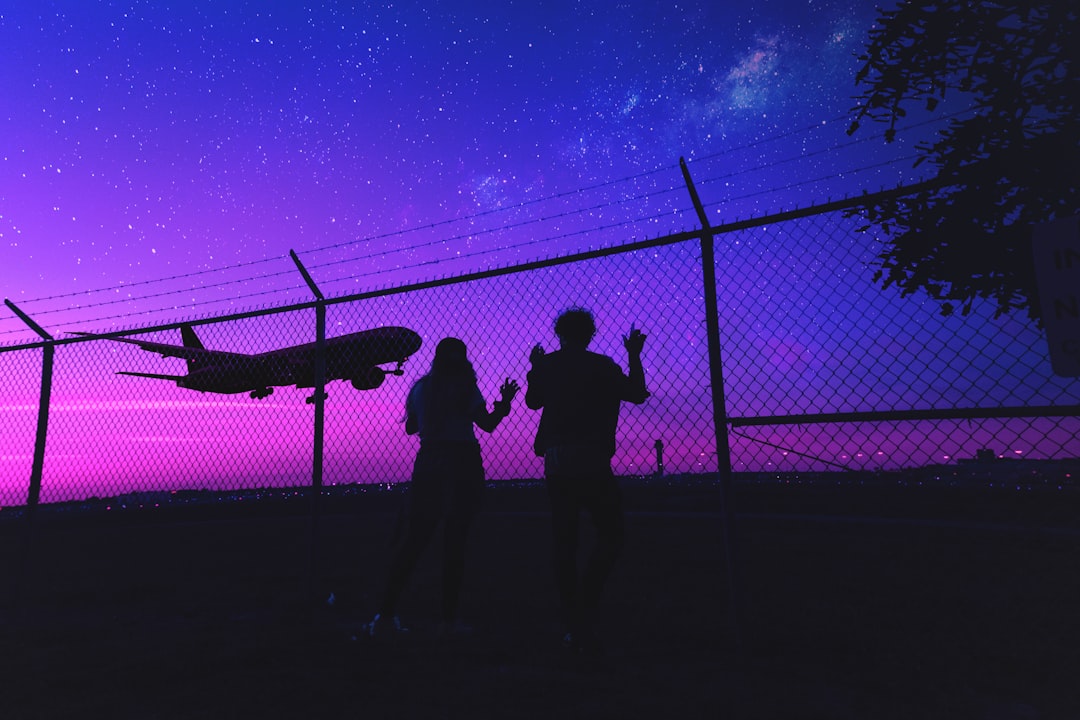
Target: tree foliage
<point x="1010" y="163"/>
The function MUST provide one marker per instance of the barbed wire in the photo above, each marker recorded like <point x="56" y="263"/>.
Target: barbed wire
<point x="456" y="258"/>
<point x="493" y="211"/>
<point x="425" y="263"/>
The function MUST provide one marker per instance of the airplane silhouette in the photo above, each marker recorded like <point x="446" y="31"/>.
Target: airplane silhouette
<point x="355" y="357"/>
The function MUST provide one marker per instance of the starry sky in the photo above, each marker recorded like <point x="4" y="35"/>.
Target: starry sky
<point x="159" y="160"/>
<point x="146" y="141"/>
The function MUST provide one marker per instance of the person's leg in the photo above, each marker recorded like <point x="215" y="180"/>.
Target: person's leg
<point x="463" y="504"/>
<point x="421" y="527"/>
<point x="422" y="515"/>
<point x="564" y="539"/>
<point x="604" y="503"/>
<point x="455" y="535"/>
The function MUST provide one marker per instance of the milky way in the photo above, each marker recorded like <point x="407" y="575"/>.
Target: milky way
<point x="142" y="141"/>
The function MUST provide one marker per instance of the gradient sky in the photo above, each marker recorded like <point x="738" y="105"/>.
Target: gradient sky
<point x="147" y="140"/>
<point x="158" y="160"/>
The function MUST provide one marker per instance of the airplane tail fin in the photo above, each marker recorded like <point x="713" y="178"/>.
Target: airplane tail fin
<point x="191" y="340"/>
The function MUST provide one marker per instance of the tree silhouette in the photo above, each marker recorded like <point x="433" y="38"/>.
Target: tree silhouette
<point x="1010" y="163"/>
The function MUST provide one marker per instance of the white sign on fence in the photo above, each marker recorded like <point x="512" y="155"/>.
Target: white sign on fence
<point x="1057" y="271"/>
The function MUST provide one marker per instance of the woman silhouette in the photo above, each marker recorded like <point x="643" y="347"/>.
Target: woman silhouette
<point x="447" y="479"/>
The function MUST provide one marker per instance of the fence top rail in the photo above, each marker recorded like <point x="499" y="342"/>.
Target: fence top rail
<point x="973" y="413"/>
<point x="846" y="203"/>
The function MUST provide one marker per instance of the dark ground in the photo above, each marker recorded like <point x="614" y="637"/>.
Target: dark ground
<point x="859" y="603"/>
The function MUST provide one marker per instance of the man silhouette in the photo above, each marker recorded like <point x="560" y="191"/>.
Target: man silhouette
<point x="580" y="393"/>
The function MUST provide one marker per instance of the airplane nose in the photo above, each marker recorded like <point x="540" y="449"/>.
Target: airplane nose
<point x="401" y="339"/>
<point x="412" y="341"/>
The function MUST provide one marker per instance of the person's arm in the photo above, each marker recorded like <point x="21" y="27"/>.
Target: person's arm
<point x="488" y="421"/>
<point x="534" y="390"/>
<point x="636" y="392"/>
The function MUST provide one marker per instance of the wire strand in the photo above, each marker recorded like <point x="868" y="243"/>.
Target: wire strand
<point x="471" y="217"/>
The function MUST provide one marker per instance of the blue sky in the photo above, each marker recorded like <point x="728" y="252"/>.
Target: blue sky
<point x="142" y="141"/>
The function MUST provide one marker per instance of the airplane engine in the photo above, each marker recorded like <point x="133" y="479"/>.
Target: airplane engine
<point x="368" y="379"/>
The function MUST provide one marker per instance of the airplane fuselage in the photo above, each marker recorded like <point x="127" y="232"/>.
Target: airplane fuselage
<point x="355" y="357"/>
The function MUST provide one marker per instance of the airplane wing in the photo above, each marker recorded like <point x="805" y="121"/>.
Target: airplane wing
<point x="155" y="376"/>
<point x="197" y="355"/>
<point x="354" y="357"/>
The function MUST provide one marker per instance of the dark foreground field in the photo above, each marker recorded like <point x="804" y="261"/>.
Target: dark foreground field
<point x="900" y="603"/>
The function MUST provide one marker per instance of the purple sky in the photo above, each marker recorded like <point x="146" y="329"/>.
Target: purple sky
<point x="146" y="140"/>
<point x="158" y="160"/>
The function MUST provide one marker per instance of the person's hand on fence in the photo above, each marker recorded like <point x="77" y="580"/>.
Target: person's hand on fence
<point x="536" y="353"/>
<point x="508" y="390"/>
<point x="635" y="341"/>
<point x="506" y="393"/>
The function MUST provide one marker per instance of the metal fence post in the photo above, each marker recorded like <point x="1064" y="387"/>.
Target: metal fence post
<point x="319" y="398"/>
<point x="720" y="421"/>
<point x="38" y="465"/>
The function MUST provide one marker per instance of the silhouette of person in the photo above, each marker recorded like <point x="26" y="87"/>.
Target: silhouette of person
<point x="580" y="393"/>
<point x="447" y="479"/>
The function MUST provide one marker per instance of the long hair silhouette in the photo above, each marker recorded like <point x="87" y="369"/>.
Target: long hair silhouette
<point x="451" y="380"/>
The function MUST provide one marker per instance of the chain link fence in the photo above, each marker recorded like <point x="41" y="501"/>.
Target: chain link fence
<point x="826" y="371"/>
<point x="823" y="371"/>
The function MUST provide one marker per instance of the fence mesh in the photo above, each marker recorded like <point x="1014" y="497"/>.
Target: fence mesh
<point x="21" y="391"/>
<point x="803" y="331"/>
<point x="808" y="333"/>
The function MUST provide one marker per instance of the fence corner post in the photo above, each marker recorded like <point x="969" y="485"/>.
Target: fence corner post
<point x="720" y="421"/>
<point x="37" y="467"/>
<point x="318" y="398"/>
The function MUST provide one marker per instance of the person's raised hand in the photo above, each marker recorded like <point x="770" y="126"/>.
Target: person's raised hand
<point x="635" y="341"/>
<point x="508" y="390"/>
<point x="536" y="353"/>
